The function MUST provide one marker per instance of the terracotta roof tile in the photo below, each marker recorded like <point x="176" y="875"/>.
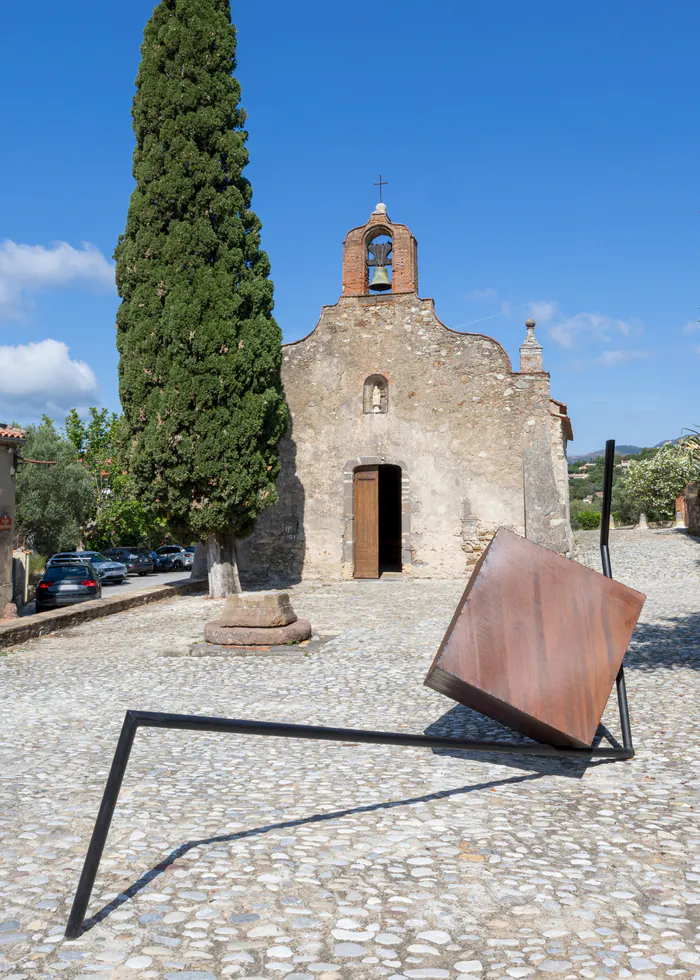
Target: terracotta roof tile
<point x="10" y="432"/>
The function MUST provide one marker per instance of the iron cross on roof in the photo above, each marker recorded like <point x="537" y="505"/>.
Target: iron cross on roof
<point x="380" y="183"/>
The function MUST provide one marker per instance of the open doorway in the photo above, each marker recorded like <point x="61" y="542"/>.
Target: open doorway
<point x="389" y="519"/>
<point x="377" y="520"/>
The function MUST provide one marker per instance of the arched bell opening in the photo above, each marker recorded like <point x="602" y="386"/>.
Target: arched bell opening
<point x="379" y="275"/>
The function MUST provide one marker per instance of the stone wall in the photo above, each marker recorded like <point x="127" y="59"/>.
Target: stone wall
<point x="692" y="502"/>
<point x="7" y="506"/>
<point x="477" y="444"/>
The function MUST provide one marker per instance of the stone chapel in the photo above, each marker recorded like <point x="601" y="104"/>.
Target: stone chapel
<point x="410" y="443"/>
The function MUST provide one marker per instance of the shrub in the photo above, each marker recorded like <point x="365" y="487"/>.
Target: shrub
<point x="589" y="520"/>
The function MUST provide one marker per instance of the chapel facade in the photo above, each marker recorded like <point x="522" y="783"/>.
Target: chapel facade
<point x="410" y="443"/>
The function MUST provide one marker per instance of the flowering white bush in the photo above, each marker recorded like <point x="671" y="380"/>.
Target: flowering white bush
<point x="654" y="483"/>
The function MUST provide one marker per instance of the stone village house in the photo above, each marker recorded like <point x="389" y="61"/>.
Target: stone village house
<point x="11" y="440"/>
<point x="410" y="443"/>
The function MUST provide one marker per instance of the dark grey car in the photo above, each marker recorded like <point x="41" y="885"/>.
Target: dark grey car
<point x="109" y="571"/>
<point x="137" y="560"/>
<point x="65" y="583"/>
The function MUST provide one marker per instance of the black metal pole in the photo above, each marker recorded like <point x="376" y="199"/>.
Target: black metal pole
<point x="240" y="726"/>
<point x="195" y="723"/>
<point x="625" y="726"/>
<point x="607" y="507"/>
<point x="101" y="828"/>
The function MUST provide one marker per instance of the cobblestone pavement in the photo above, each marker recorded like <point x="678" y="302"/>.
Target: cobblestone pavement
<point x="262" y="858"/>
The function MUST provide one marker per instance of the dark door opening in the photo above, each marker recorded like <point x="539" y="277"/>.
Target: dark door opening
<point x="389" y="518"/>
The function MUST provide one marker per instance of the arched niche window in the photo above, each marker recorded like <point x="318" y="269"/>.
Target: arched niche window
<point x="376" y="395"/>
<point x="379" y="263"/>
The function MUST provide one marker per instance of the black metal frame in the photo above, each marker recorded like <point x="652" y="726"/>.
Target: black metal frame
<point x="155" y="719"/>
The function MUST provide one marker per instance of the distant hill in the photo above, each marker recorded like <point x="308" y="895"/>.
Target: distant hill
<point x="621" y="450"/>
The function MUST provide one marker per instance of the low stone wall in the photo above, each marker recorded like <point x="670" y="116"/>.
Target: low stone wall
<point x="19" y="630"/>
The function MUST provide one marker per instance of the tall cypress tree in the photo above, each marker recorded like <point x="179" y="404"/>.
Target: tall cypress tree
<point x="200" y="352"/>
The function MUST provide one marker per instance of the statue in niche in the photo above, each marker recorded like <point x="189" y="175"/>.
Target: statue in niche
<point x="375" y="397"/>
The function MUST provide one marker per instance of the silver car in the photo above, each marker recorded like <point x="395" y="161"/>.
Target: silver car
<point x="109" y="571"/>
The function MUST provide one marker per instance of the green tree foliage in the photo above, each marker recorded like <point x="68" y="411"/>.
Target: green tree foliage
<point x="652" y="483"/>
<point x="200" y="352"/>
<point x="97" y="444"/>
<point x="121" y="518"/>
<point x="53" y="502"/>
<point x="588" y="519"/>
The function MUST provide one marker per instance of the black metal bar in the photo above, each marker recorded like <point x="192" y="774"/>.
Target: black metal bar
<point x="240" y="726"/>
<point x="606" y="510"/>
<point x="607" y="507"/>
<point x="156" y="719"/>
<point x="101" y="828"/>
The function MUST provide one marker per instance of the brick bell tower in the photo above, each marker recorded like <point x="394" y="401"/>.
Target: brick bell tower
<point x="362" y="263"/>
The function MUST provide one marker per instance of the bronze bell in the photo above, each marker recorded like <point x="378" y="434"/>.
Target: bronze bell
<point x="380" y="279"/>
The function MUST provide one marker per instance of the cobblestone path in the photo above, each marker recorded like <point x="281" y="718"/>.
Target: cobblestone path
<point x="311" y="861"/>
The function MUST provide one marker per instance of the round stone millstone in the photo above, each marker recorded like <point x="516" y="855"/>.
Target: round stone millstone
<point x="257" y="636"/>
<point x="257" y="609"/>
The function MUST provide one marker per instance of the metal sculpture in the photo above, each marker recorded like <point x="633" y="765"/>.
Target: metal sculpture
<point x="154" y="719"/>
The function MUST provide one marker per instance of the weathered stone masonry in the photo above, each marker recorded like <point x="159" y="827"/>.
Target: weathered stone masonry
<point x="11" y="441"/>
<point x="479" y="445"/>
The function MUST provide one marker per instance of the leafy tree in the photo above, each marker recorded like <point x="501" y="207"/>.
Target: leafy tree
<point x="121" y="518"/>
<point x="97" y="444"/>
<point x="200" y="352"/>
<point x="654" y="482"/>
<point x="53" y="502"/>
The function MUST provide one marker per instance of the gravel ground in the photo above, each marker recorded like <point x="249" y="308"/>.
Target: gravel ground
<point x="261" y="858"/>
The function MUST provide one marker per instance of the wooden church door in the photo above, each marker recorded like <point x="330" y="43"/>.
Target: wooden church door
<point x="366" y="522"/>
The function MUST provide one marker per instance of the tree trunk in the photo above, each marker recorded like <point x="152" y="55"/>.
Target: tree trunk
<point x="199" y="563"/>
<point x="222" y="566"/>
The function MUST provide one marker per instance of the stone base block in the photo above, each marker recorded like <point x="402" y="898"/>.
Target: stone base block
<point x="251" y="636"/>
<point x="257" y="609"/>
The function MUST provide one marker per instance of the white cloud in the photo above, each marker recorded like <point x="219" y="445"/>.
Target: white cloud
<point x="609" y="358"/>
<point x="613" y="357"/>
<point x="27" y="269"/>
<point x="692" y="326"/>
<point x="569" y="331"/>
<point x="481" y="294"/>
<point x="40" y="377"/>
<point x="542" y="310"/>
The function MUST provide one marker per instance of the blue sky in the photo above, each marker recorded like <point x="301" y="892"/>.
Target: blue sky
<point x="545" y="155"/>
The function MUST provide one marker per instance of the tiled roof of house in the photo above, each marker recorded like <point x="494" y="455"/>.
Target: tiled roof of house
<point x="10" y="432"/>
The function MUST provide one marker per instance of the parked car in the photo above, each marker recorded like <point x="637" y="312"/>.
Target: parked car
<point x="65" y="583"/>
<point x="161" y="563"/>
<point x="108" y="571"/>
<point x="137" y="560"/>
<point x="182" y="558"/>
